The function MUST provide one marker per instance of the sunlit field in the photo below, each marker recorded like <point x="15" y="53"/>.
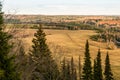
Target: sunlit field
<point x="68" y="43"/>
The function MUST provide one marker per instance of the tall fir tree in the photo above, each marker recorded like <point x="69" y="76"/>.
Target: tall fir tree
<point x="63" y="70"/>
<point x="79" y="67"/>
<point x="95" y="70"/>
<point x="98" y="67"/>
<point x="46" y="68"/>
<point x="6" y="61"/>
<point x="72" y="68"/>
<point x="68" y="73"/>
<point x="87" y="68"/>
<point x="108" y="72"/>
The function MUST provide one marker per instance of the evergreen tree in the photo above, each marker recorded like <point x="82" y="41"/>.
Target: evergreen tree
<point x="68" y="74"/>
<point x="97" y="67"/>
<point x="79" y="67"/>
<point x="63" y="71"/>
<point x="87" y="68"/>
<point x="95" y="70"/>
<point x="72" y="68"/>
<point x="75" y="74"/>
<point x="46" y="68"/>
<point x="69" y="71"/>
<point x="6" y="61"/>
<point x="22" y="63"/>
<point x="108" y="73"/>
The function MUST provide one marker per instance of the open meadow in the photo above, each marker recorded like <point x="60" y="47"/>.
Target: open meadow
<point x="68" y="43"/>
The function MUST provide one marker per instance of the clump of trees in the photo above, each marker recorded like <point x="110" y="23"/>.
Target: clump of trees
<point x="110" y="36"/>
<point x="96" y="73"/>
<point x="87" y="71"/>
<point x="68" y="70"/>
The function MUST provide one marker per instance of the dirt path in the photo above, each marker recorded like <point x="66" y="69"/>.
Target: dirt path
<point x="72" y="40"/>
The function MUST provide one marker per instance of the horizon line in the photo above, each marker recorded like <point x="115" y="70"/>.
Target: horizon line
<point x="68" y="14"/>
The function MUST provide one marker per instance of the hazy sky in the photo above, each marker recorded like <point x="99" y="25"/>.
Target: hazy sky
<point x="62" y="7"/>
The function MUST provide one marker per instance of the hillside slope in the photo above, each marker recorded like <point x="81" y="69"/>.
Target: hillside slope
<point x="71" y="43"/>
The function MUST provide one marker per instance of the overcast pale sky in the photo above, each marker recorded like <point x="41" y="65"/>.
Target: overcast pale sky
<point x="62" y="7"/>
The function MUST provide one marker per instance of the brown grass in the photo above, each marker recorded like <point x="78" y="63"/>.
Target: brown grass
<point x="72" y="43"/>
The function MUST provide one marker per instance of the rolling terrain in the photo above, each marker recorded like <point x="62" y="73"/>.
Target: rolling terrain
<point x="68" y="43"/>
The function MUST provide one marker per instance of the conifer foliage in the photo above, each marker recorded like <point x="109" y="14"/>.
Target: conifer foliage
<point x="108" y="73"/>
<point x="63" y="70"/>
<point x="87" y="68"/>
<point x="68" y="71"/>
<point x="72" y="69"/>
<point x="68" y="74"/>
<point x="79" y="68"/>
<point x="95" y="70"/>
<point x="98" y="67"/>
<point x="46" y="68"/>
<point x="6" y="61"/>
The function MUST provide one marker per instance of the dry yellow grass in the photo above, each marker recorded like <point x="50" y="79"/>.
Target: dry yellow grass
<point x="72" y="43"/>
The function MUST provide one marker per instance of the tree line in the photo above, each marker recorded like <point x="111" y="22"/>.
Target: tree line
<point x="110" y="35"/>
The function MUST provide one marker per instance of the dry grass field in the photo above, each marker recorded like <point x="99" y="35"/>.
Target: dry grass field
<point x="70" y="43"/>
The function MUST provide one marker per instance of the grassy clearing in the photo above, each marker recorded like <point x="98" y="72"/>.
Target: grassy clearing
<point x="71" y="43"/>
